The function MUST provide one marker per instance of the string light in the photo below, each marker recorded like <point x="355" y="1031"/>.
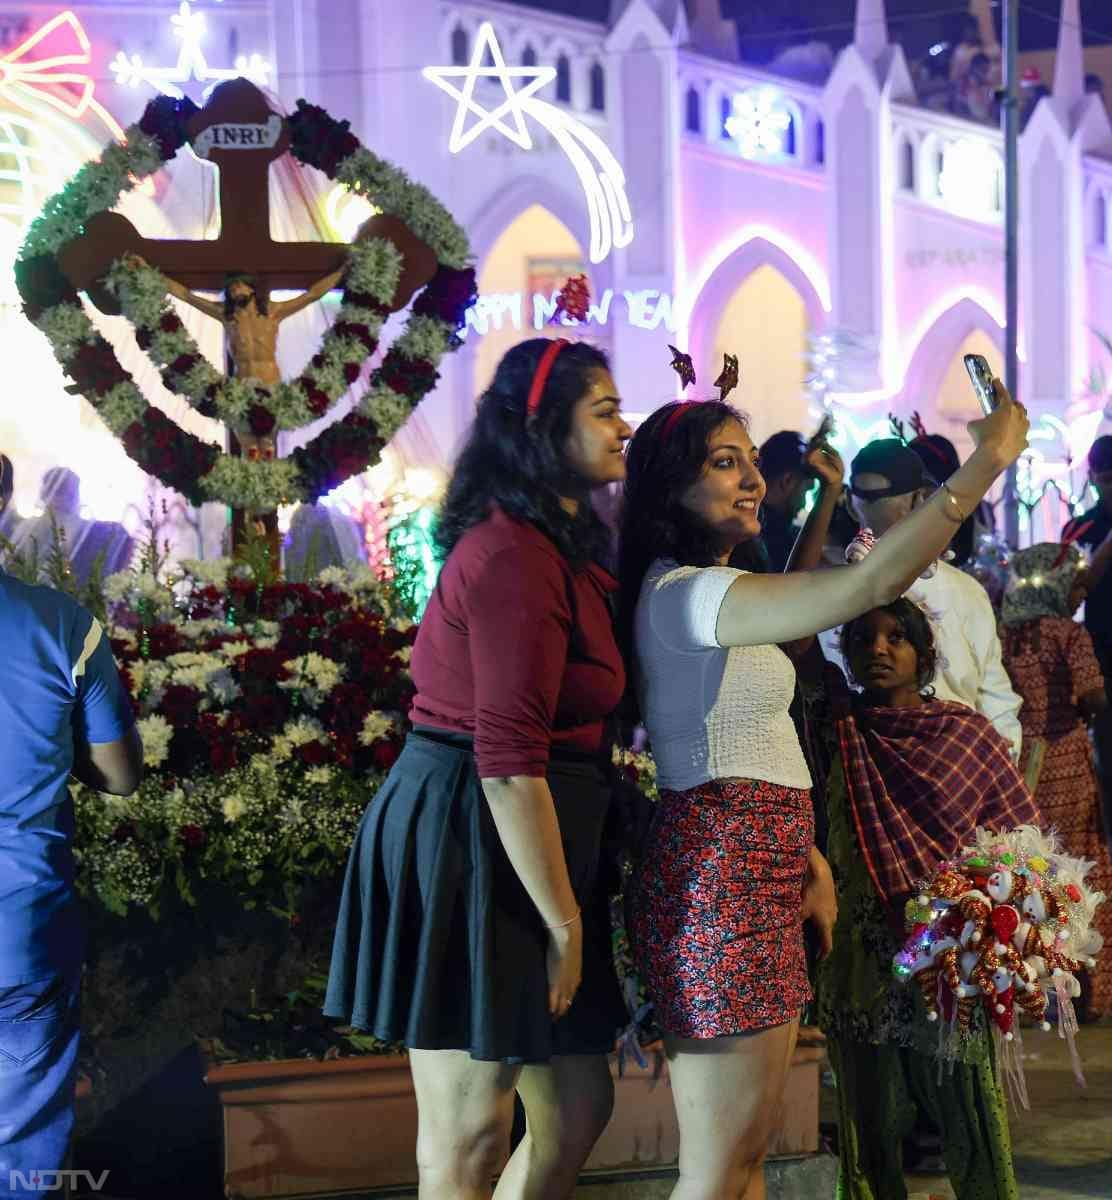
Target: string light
<point x="192" y="66"/>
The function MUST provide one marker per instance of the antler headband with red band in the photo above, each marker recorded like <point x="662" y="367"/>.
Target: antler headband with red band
<point x="540" y="375"/>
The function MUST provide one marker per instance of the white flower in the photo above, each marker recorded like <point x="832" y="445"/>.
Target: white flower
<point x="320" y="775"/>
<point x="335" y="577"/>
<point x="155" y="732"/>
<point x="313" y="672"/>
<point x="212" y="571"/>
<point x="121" y="407"/>
<point x="260" y="486"/>
<point x="404" y="654"/>
<point x="234" y="649"/>
<point x="234" y="807"/>
<point x="387" y="409"/>
<point x="376" y="726"/>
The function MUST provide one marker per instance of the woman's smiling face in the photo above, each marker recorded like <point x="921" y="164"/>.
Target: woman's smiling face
<point x="728" y="493"/>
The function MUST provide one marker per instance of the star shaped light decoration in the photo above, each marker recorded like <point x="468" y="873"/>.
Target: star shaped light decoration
<point x="192" y="66"/>
<point x="599" y="172"/>
<point x="489" y="118"/>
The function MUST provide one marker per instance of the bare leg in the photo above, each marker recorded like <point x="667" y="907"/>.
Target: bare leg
<point x="728" y="1092"/>
<point x="465" y="1112"/>
<point x="567" y="1105"/>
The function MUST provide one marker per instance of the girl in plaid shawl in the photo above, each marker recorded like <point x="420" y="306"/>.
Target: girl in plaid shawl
<point x="912" y="779"/>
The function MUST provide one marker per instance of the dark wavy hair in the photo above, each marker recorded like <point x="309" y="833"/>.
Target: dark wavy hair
<point x="915" y="626"/>
<point x="519" y="465"/>
<point x="654" y="523"/>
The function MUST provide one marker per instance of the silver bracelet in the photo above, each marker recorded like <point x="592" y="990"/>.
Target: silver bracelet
<point x="565" y="924"/>
<point x="944" y="488"/>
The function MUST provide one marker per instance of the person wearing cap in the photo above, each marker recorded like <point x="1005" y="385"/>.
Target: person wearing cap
<point x="1093" y="530"/>
<point x="940" y="460"/>
<point x="886" y="478"/>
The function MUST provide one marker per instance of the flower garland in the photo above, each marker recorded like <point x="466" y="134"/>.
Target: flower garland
<point x="197" y="469"/>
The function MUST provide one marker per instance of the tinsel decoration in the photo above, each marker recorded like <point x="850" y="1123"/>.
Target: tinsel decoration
<point x="574" y="299"/>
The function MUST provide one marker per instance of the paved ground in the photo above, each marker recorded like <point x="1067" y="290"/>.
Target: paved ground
<point x="1063" y="1146"/>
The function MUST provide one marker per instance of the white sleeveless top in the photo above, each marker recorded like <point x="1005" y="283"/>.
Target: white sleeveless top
<point x="711" y="712"/>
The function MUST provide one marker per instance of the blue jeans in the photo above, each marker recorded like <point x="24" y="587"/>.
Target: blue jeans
<point x="38" y="1072"/>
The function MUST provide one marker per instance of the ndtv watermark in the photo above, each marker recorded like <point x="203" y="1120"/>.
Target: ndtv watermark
<point x="55" y="1181"/>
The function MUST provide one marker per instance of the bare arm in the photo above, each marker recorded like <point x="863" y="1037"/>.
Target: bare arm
<point x="525" y="817"/>
<point x="771" y="609"/>
<point x="321" y="288"/>
<point x="113" y="767"/>
<point x="826" y="464"/>
<point x="209" y="307"/>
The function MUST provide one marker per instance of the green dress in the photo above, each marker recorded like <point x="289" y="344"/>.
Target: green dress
<point x="886" y="1056"/>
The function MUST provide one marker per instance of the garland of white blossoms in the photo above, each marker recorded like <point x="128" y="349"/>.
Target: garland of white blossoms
<point x="374" y="265"/>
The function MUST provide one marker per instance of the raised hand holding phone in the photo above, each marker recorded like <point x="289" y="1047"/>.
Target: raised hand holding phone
<point x="980" y="373"/>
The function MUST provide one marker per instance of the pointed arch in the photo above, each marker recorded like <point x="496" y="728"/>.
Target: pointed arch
<point x="732" y="263"/>
<point x="938" y="338"/>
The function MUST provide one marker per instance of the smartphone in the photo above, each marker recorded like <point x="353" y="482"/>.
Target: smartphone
<point x="981" y="375"/>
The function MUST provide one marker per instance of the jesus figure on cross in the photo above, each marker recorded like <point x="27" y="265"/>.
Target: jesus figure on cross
<point x="250" y="318"/>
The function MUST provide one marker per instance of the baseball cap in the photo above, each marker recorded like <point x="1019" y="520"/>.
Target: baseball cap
<point x="896" y="462"/>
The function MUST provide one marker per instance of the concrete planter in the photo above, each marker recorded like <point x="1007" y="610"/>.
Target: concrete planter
<point x="302" y="1127"/>
<point x="643" y="1130"/>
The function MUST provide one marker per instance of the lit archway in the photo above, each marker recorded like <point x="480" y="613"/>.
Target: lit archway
<point x="937" y="385"/>
<point x="766" y="323"/>
<point x="533" y="253"/>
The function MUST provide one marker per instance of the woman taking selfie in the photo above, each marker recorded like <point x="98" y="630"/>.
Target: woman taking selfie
<point x="471" y="927"/>
<point x="730" y="870"/>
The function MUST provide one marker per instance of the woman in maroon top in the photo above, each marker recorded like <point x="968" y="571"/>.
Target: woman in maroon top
<point x="471" y="927"/>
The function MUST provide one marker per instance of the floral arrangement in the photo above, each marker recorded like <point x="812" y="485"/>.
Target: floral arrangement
<point x="1006" y="924"/>
<point x="197" y="469"/>
<point x="270" y="713"/>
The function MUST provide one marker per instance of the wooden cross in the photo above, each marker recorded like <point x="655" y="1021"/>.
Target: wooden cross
<point x="239" y="133"/>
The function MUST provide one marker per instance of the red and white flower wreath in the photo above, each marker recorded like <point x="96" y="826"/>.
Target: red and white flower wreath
<point x="197" y="469"/>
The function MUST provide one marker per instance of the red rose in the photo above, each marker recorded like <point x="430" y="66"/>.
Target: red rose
<point x="351" y="371"/>
<point x="179" y="704"/>
<point x="192" y="837"/>
<point x="124" y="832"/>
<point x="260" y="419"/>
<point x="315" y="399"/>
<point x="183" y="364"/>
<point x="170" y="323"/>
<point x="385" y="754"/>
<point x="144" y="338"/>
<point x="222" y="755"/>
<point x="314" y="753"/>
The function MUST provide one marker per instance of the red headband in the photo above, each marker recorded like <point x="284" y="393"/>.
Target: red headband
<point x="540" y="376"/>
<point x="672" y="420"/>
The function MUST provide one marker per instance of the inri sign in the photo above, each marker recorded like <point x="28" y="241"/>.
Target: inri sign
<point x="599" y="172"/>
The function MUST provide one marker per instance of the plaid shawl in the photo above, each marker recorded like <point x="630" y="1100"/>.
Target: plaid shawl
<point x="920" y="781"/>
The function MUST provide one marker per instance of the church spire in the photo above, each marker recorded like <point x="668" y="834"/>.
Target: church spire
<point x="1069" y="62"/>
<point x="870" y="29"/>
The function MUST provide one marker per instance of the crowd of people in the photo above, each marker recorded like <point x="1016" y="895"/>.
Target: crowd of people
<point x="474" y="921"/>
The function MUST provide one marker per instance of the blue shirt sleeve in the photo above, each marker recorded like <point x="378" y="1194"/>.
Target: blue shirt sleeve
<point x="103" y="710"/>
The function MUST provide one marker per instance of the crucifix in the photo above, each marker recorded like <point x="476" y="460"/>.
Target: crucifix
<point x="239" y="133"/>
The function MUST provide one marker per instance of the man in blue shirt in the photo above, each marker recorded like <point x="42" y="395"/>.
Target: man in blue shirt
<point x="63" y="711"/>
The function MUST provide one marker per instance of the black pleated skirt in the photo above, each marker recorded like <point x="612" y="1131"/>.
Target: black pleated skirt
<point x="438" y="945"/>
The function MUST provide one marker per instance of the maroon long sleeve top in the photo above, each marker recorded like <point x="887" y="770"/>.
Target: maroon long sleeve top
<point x="517" y="649"/>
